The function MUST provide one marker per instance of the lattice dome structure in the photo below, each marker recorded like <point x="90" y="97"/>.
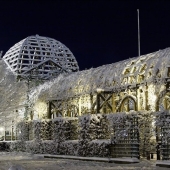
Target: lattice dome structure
<point x="40" y="57"/>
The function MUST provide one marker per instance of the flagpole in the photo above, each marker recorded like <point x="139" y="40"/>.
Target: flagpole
<point x="138" y="33"/>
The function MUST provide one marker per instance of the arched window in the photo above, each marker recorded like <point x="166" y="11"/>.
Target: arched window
<point x="126" y="71"/>
<point x="128" y="104"/>
<point x="72" y="111"/>
<point x="143" y="68"/>
<point x="164" y="103"/>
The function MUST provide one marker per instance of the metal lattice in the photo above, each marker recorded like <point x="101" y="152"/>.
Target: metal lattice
<point x="165" y="136"/>
<point x="41" y="57"/>
<point x="125" y="137"/>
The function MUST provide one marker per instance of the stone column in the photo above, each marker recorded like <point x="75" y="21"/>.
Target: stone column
<point x="49" y="110"/>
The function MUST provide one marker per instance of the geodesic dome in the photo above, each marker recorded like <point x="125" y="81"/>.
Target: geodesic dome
<point x="40" y="57"/>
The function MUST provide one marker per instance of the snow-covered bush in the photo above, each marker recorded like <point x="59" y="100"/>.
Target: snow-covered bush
<point x="46" y="129"/>
<point x="69" y="147"/>
<point x="41" y="147"/>
<point x="92" y="127"/>
<point x="36" y="130"/>
<point x="99" y="148"/>
<point x="23" y="136"/>
<point x="89" y="135"/>
<point x="85" y="135"/>
<point x="50" y="147"/>
<point x="18" y="146"/>
<point x="4" y="146"/>
<point x="23" y="130"/>
<point x="64" y="129"/>
<point x="34" y="146"/>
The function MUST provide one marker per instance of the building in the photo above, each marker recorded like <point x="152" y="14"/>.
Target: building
<point x="31" y="61"/>
<point x="40" y="78"/>
<point x="140" y="83"/>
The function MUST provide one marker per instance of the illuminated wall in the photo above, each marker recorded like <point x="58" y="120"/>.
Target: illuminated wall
<point x="140" y="83"/>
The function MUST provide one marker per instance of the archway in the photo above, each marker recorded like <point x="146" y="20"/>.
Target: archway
<point x="163" y="102"/>
<point x="127" y="104"/>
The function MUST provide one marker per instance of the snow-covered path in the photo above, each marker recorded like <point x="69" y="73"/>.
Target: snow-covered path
<point x="28" y="162"/>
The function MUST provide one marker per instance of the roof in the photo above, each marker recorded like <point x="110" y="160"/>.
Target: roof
<point x="148" y="68"/>
<point x="131" y="72"/>
<point x="30" y="53"/>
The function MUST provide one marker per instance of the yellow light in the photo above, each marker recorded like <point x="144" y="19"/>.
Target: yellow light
<point x="89" y="106"/>
<point x="99" y="90"/>
<point x="154" y="97"/>
<point x="40" y="108"/>
<point x="1" y="129"/>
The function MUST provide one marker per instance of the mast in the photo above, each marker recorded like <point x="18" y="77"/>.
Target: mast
<point x="138" y="33"/>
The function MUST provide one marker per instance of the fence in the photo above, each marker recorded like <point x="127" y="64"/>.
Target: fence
<point x="163" y="134"/>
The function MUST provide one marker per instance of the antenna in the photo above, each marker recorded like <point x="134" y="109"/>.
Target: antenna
<point x="138" y="33"/>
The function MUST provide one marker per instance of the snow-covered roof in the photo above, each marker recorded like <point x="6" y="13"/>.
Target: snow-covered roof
<point x="148" y="68"/>
<point x="40" y="56"/>
<point x="145" y="69"/>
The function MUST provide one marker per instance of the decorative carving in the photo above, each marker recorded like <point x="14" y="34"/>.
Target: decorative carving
<point x="158" y="73"/>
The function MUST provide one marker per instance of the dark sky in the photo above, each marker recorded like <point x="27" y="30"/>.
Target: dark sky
<point x="97" y="32"/>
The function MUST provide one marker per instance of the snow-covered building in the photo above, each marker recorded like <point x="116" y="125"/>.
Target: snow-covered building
<point x="40" y="77"/>
<point x="140" y="83"/>
<point x="31" y="61"/>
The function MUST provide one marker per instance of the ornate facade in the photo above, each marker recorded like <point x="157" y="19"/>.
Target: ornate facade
<point x="140" y="83"/>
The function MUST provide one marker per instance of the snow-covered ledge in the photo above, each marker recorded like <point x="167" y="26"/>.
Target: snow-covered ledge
<point x="125" y="160"/>
<point x="163" y="163"/>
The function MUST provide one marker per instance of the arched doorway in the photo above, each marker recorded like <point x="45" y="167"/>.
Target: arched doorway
<point x="164" y="102"/>
<point x="127" y="104"/>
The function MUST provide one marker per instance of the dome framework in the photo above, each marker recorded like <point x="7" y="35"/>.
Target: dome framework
<point x="40" y="57"/>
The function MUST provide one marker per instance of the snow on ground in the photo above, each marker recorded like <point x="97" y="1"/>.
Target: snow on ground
<point x="25" y="161"/>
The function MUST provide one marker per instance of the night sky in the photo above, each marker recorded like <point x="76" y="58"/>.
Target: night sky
<point x="97" y="32"/>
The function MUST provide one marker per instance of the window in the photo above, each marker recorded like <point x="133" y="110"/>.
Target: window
<point x="128" y="104"/>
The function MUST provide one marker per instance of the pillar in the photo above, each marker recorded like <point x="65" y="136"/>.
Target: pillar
<point x="98" y="103"/>
<point x="79" y="106"/>
<point x="12" y="130"/>
<point x="49" y="110"/>
<point x="146" y="97"/>
<point x="113" y="103"/>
